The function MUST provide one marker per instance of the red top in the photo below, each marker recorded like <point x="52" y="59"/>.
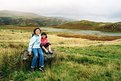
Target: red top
<point x="44" y="41"/>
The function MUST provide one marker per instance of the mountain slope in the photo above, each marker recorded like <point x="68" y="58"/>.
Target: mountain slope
<point x="27" y="19"/>
<point x="91" y="25"/>
<point x="84" y="24"/>
<point x="114" y="27"/>
<point x="6" y="13"/>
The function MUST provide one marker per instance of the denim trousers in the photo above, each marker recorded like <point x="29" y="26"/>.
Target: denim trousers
<point x="37" y="52"/>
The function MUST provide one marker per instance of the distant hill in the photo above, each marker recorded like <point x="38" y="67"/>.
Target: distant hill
<point x="91" y="25"/>
<point x="32" y="19"/>
<point x="28" y="19"/>
<point x="17" y="14"/>
<point x="113" y="27"/>
<point x="83" y="24"/>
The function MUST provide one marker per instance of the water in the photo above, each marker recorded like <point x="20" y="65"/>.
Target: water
<point x="84" y="32"/>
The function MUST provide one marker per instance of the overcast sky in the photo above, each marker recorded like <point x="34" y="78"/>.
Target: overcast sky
<point x="97" y="10"/>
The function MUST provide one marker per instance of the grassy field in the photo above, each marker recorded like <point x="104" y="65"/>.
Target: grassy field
<point x="77" y="59"/>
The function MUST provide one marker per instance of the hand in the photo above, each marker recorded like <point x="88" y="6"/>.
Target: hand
<point x="29" y="54"/>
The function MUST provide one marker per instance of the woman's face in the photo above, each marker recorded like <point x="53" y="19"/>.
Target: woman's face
<point x="37" y="32"/>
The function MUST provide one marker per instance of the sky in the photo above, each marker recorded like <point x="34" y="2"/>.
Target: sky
<point x="95" y="10"/>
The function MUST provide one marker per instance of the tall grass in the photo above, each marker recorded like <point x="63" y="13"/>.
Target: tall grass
<point x="11" y="58"/>
<point x="93" y="63"/>
<point x="71" y="63"/>
<point x="102" y="63"/>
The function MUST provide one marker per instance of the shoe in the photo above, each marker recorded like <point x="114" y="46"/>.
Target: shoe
<point x="50" y="52"/>
<point x="47" y="52"/>
<point x="42" y="69"/>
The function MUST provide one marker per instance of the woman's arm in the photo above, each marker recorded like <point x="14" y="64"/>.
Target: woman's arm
<point x="31" y="43"/>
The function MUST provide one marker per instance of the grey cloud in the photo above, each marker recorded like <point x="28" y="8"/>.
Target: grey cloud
<point x="99" y="10"/>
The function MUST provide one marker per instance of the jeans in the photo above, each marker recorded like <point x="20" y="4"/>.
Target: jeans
<point x="37" y="52"/>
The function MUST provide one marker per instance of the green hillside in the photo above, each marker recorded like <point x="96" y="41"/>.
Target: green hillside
<point x="84" y="24"/>
<point x="114" y="27"/>
<point x="31" y="19"/>
<point x="27" y="19"/>
<point x="91" y="25"/>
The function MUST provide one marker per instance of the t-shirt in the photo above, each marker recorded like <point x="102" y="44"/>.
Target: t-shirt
<point x="44" y="41"/>
<point x="34" y="42"/>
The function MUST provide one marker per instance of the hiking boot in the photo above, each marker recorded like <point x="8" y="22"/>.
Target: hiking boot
<point x="42" y="69"/>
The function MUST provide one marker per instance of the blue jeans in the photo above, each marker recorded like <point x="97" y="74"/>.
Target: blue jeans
<point x="37" y="52"/>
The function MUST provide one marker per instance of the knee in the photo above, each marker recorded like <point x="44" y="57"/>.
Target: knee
<point x="35" y="56"/>
<point x="41" y="55"/>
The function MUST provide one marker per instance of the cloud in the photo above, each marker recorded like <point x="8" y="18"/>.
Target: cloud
<point x="99" y="10"/>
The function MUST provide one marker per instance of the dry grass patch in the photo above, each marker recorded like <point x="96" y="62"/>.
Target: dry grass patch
<point x="91" y="37"/>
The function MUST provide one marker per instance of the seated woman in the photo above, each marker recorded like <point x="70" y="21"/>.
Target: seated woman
<point x="45" y="43"/>
<point x="34" y="46"/>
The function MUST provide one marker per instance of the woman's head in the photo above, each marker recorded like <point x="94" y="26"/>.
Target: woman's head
<point x="37" y="31"/>
<point x="44" y="35"/>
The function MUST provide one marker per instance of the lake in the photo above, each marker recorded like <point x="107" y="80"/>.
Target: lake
<point x="84" y="32"/>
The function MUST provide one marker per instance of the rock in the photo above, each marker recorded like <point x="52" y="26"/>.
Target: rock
<point x="25" y="56"/>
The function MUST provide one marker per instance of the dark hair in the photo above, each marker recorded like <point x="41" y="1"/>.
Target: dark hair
<point x="36" y="29"/>
<point x="43" y="33"/>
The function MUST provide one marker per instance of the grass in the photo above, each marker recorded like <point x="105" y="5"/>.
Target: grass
<point x="12" y="27"/>
<point x="102" y="63"/>
<point x="76" y="59"/>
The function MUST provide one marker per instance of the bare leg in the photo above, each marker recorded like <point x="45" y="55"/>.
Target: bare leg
<point x="49" y="48"/>
<point x="45" y="49"/>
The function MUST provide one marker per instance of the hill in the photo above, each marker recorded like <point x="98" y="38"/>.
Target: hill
<point x="17" y="14"/>
<point x="27" y="19"/>
<point x="83" y="24"/>
<point x="114" y="27"/>
<point x="91" y="25"/>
